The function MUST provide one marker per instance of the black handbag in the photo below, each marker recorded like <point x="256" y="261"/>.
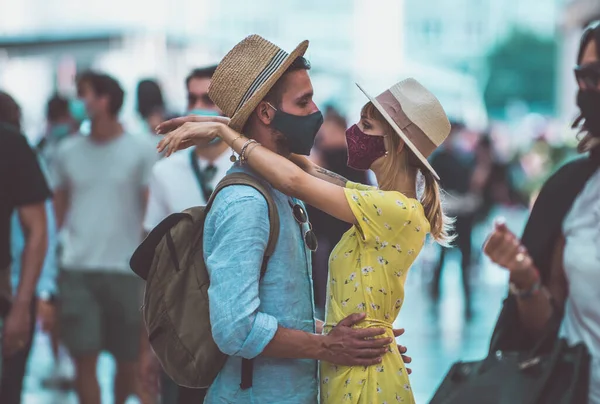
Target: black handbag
<point x="558" y="377"/>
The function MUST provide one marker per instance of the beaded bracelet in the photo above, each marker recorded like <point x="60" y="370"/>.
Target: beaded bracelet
<point x="243" y="151"/>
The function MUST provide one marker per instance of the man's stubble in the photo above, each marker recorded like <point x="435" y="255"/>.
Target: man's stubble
<point x="282" y="146"/>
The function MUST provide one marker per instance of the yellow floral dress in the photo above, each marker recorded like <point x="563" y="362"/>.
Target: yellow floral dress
<point x="367" y="271"/>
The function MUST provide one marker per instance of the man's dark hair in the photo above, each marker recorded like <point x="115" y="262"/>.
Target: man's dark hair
<point x="149" y="98"/>
<point x="10" y="112"/>
<point x="275" y="94"/>
<point x="103" y="85"/>
<point x="57" y="108"/>
<point x="201" y="73"/>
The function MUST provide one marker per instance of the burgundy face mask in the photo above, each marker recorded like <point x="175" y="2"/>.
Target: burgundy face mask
<point x="363" y="149"/>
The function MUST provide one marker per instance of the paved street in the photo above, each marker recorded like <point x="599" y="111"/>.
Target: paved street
<point x="436" y="334"/>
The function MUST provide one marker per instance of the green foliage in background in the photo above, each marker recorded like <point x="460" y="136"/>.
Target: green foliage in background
<point x="522" y="67"/>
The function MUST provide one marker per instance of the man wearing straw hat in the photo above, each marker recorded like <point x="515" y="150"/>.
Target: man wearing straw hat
<point x="267" y="93"/>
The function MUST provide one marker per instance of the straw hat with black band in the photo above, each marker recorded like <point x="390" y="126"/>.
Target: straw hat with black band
<point x="246" y="74"/>
<point x="416" y="116"/>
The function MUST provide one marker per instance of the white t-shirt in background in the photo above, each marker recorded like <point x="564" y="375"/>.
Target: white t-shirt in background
<point x="581" y="259"/>
<point x="174" y="187"/>
<point x="106" y="183"/>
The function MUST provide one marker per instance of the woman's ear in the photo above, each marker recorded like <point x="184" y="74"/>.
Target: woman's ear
<point x="401" y="145"/>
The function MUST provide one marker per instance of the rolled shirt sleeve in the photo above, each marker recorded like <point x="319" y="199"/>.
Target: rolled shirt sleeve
<point x="236" y="234"/>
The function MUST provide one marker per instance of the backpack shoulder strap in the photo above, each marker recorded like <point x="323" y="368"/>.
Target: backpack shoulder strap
<point x="246" y="179"/>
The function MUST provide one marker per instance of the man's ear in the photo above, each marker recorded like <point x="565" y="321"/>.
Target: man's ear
<point x="265" y="113"/>
<point x="105" y="101"/>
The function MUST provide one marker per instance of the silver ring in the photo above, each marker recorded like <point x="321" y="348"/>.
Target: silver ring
<point x="520" y="258"/>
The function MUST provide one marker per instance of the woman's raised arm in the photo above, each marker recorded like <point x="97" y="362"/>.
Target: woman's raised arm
<point x="316" y="171"/>
<point x="283" y="174"/>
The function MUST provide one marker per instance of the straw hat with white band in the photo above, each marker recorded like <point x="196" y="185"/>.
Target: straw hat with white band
<point x="246" y="74"/>
<point x="416" y="115"/>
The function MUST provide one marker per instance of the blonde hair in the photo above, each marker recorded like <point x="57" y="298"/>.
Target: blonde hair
<point x="406" y="163"/>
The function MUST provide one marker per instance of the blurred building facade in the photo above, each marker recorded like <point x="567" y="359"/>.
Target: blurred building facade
<point x="33" y="66"/>
<point x="47" y="42"/>
<point x="459" y="33"/>
<point x="351" y="41"/>
<point x="442" y="42"/>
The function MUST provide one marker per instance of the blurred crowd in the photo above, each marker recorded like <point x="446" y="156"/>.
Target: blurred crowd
<point x="106" y="194"/>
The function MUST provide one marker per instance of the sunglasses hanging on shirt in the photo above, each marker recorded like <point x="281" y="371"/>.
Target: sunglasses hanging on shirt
<point x="310" y="238"/>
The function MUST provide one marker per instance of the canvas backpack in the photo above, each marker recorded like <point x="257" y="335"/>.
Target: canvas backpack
<point x="175" y="309"/>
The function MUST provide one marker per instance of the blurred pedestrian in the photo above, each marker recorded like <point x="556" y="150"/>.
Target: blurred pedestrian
<point x="100" y="184"/>
<point x="60" y="124"/>
<point x="62" y="121"/>
<point x="491" y="180"/>
<point x="22" y="188"/>
<point x="554" y="274"/>
<point x="331" y="153"/>
<point x="188" y="179"/>
<point x="185" y="180"/>
<point x="197" y="84"/>
<point x="150" y="104"/>
<point x="456" y="168"/>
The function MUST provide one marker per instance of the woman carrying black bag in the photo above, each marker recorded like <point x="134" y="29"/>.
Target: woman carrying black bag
<point x="555" y="268"/>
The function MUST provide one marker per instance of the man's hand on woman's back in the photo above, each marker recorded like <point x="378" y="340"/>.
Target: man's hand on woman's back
<point x="347" y="346"/>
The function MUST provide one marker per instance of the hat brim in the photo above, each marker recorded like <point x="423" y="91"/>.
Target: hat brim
<point x="397" y="129"/>
<point x="238" y="120"/>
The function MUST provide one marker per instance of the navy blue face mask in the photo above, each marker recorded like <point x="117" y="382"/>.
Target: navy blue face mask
<point x="300" y="131"/>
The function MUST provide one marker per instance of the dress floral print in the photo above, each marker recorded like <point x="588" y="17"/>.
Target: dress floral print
<point x="367" y="271"/>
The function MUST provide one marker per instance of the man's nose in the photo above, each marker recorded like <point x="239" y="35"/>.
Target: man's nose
<point x="313" y="107"/>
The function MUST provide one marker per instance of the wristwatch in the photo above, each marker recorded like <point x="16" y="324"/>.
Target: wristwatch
<point x="527" y="293"/>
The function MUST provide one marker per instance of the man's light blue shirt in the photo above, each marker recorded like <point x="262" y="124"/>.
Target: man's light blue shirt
<point x="244" y="316"/>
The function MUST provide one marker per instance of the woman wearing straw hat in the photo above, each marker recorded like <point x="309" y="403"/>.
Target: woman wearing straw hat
<point x="397" y="131"/>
